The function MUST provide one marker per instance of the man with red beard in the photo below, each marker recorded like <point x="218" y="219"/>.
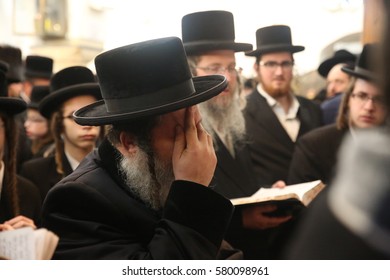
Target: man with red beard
<point x="143" y="194"/>
<point x="209" y="41"/>
<point x="275" y="116"/>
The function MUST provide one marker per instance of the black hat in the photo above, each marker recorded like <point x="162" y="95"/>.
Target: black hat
<point x="37" y="94"/>
<point x="144" y="79"/>
<point x="9" y="105"/>
<point x="38" y="67"/>
<point x="365" y="64"/>
<point x="13" y="56"/>
<point x="210" y="30"/>
<point x="3" y="82"/>
<point x="340" y="56"/>
<point x="66" y="84"/>
<point x="274" y="38"/>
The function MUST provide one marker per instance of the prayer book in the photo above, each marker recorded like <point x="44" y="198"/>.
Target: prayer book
<point x="290" y="199"/>
<point x="27" y="244"/>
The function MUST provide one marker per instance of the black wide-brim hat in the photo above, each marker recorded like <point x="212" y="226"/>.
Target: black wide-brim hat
<point x="12" y="105"/>
<point x="340" y="56"/>
<point x="145" y="79"/>
<point x="210" y="30"/>
<point x="274" y="38"/>
<point x="38" y="67"/>
<point x="365" y="67"/>
<point x="66" y="84"/>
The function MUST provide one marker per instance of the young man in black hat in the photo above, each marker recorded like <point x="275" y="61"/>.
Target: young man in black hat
<point x="316" y="152"/>
<point x="209" y="41"/>
<point x="144" y="193"/>
<point x="350" y="218"/>
<point x="71" y="88"/>
<point x="275" y="116"/>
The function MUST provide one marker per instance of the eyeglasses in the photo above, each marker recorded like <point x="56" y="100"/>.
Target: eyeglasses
<point x="212" y="70"/>
<point x="363" y="98"/>
<point x="273" y="65"/>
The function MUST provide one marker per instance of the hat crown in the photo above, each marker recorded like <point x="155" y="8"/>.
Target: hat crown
<point x="366" y="58"/>
<point x="38" y="66"/>
<point x="273" y="35"/>
<point x="38" y="93"/>
<point x="142" y="68"/>
<point x="13" y="56"/>
<point x="208" y="25"/>
<point x="71" y="76"/>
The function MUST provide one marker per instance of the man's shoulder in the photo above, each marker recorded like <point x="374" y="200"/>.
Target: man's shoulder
<point x="323" y="134"/>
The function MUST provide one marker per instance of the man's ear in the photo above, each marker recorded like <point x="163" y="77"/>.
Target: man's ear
<point x="256" y="67"/>
<point x="128" y="143"/>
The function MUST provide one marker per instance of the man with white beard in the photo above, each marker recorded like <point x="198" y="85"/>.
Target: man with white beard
<point x="143" y="194"/>
<point x="209" y="41"/>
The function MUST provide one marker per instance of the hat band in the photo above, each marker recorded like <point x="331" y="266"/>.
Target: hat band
<point x="154" y="99"/>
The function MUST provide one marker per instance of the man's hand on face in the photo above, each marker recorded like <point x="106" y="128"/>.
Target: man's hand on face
<point x="194" y="158"/>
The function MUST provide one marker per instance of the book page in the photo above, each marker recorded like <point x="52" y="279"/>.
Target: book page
<point x="298" y="189"/>
<point x="17" y="244"/>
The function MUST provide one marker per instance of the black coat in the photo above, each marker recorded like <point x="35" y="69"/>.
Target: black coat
<point x="315" y="155"/>
<point x="29" y="201"/>
<point x="43" y="172"/>
<point x="270" y="146"/>
<point x="97" y="216"/>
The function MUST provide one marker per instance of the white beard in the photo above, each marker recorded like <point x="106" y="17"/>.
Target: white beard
<point x="224" y="117"/>
<point x="152" y="189"/>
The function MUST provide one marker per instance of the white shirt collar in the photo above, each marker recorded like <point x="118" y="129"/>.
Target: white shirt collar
<point x="72" y="161"/>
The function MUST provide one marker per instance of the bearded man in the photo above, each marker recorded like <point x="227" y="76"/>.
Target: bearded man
<point x="275" y="116"/>
<point x="208" y="39"/>
<point x="143" y="194"/>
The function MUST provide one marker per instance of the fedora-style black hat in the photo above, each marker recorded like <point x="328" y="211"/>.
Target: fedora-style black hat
<point x="38" y="67"/>
<point x="144" y="79"/>
<point x="274" y="38"/>
<point x="37" y="94"/>
<point x="9" y="105"/>
<point x="210" y="30"/>
<point x="339" y="56"/>
<point x="365" y="64"/>
<point x="13" y="56"/>
<point x="66" y="84"/>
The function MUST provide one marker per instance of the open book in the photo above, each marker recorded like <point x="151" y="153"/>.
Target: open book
<point x="27" y="244"/>
<point x="289" y="199"/>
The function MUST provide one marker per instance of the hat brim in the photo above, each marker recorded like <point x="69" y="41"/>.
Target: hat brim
<point x="12" y="106"/>
<point x="359" y="74"/>
<point x="50" y="103"/>
<point x="96" y="113"/>
<point x="203" y="46"/>
<point x="328" y="64"/>
<point x="275" y="48"/>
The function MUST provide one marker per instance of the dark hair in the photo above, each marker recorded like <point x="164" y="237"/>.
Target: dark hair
<point x="57" y="128"/>
<point x="140" y="129"/>
<point x="9" y="158"/>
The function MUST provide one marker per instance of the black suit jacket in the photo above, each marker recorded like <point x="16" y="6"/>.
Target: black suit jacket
<point x="97" y="216"/>
<point x="270" y="146"/>
<point x="29" y="201"/>
<point x="315" y="155"/>
<point x="43" y="172"/>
